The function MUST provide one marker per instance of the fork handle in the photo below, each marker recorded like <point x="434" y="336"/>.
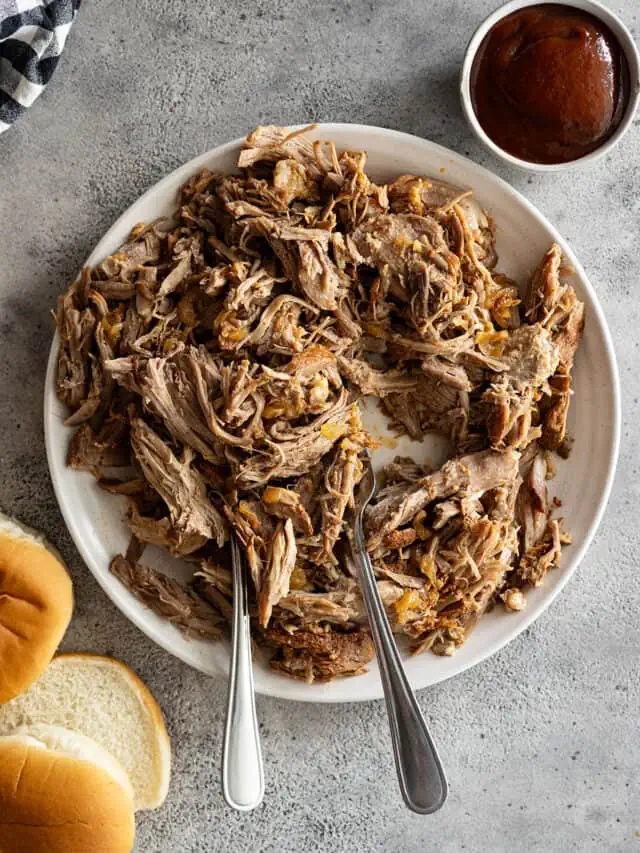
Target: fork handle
<point x="420" y="772"/>
<point x="242" y="771"/>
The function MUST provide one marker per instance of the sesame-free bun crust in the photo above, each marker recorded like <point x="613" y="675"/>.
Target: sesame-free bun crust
<point x="36" y="602"/>
<point x="58" y="794"/>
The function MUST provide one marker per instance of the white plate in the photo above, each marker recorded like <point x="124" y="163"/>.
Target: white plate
<point x="95" y="518"/>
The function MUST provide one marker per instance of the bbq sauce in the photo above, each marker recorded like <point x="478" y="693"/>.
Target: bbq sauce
<point x="549" y="83"/>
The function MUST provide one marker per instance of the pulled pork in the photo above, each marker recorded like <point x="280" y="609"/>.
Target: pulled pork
<point x="218" y="360"/>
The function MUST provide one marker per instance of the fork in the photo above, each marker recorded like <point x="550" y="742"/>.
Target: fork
<point x="242" y="771"/>
<point x="420" y="773"/>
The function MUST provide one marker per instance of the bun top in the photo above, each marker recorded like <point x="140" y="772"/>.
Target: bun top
<point x="60" y="792"/>
<point x="36" y="602"/>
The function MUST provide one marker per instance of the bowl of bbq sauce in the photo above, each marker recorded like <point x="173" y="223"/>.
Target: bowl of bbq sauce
<point x="548" y="86"/>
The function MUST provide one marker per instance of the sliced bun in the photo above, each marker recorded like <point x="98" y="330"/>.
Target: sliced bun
<point x="62" y="793"/>
<point x="106" y="701"/>
<point x="36" y="602"/>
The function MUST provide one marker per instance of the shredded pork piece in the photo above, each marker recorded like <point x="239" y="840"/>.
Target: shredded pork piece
<point x="178" y="484"/>
<point x="220" y="358"/>
<point x="169" y="599"/>
<point x="282" y="561"/>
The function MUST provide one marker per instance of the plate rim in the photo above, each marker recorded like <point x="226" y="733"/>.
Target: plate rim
<point x="129" y="606"/>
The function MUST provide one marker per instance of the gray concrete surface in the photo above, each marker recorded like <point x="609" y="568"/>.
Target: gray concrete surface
<point x="541" y="742"/>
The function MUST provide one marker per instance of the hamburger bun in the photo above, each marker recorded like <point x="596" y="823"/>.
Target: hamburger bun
<point x="36" y="602"/>
<point x="106" y="701"/>
<point x="61" y="792"/>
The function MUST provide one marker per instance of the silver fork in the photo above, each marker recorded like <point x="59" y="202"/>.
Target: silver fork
<point x="242" y="771"/>
<point x="420" y="773"/>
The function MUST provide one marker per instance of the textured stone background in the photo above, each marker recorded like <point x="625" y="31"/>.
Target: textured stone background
<point x="541" y="742"/>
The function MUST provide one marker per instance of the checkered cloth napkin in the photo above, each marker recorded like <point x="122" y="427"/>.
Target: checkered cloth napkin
<point x="32" y="37"/>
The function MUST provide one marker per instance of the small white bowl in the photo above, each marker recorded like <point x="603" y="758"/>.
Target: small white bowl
<point x="627" y="45"/>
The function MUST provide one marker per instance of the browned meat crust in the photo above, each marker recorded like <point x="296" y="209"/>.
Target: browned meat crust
<point x="320" y="656"/>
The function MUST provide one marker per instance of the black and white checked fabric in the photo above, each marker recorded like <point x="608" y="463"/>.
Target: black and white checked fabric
<point x="32" y="37"/>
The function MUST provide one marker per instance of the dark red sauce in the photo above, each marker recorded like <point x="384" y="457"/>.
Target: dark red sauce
<point x="549" y="83"/>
